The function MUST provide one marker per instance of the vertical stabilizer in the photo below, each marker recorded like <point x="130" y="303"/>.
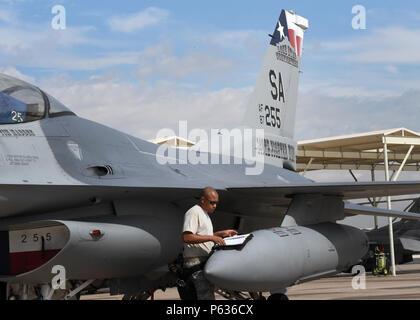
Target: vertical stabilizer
<point x="273" y="103"/>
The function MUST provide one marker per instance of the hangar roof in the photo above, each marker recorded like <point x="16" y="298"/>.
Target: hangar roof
<point x="362" y="151"/>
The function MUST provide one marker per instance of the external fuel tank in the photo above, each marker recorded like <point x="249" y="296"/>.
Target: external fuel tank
<point x="277" y="258"/>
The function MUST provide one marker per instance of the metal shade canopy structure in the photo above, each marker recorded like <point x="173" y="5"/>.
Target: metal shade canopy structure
<point x="393" y="150"/>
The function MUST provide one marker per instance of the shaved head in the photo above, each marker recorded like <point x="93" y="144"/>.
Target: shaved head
<point x="208" y="192"/>
<point x="209" y="199"/>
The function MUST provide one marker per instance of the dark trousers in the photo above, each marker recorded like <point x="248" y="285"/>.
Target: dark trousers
<point x="197" y="287"/>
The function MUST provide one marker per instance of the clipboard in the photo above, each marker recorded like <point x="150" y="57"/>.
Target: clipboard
<point x="236" y="242"/>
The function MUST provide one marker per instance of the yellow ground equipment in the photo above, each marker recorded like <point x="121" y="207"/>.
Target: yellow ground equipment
<point x="381" y="262"/>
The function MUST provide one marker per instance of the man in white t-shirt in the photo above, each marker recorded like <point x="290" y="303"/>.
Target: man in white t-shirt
<point x="199" y="239"/>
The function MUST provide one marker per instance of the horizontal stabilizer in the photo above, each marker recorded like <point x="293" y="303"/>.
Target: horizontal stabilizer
<point x="410" y="244"/>
<point x="351" y="208"/>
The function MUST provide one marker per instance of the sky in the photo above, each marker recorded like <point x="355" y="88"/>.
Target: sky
<point x="140" y="66"/>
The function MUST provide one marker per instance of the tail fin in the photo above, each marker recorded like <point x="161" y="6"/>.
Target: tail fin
<point x="273" y="103"/>
<point x="415" y="208"/>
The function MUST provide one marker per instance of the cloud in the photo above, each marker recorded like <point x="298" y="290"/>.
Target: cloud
<point x="192" y="63"/>
<point x="51" y="49"/>
<point x="11" y="71"/>
<point x="74" y="63"/>
<point x="253" y="41"/>
<point x="335" y="89"/>
<point x="37" y="41"/>
<point x="319" y="115"/>
<point x="392" y="45"/>
<point x="392" y="69"/>
<point x="6" y="16"/>
<point x="155" y="61"/>
<point x="83" y="49"/>
<point x="160" y="60"/>
<point x="142" y="110"/>
<point x="137" y="21"/>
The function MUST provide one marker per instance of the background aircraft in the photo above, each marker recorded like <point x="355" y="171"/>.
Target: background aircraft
<point x="406" y="240"/>
<point x="99" y="203"/>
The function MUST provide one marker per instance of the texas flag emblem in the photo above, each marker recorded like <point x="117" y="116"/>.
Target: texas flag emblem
<point x="292" y="27"/>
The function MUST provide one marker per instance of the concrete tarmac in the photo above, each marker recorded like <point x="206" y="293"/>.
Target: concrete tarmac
<point x="405" y="286"/>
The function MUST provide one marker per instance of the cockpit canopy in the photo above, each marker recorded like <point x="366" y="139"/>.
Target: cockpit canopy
<point x="21" y="102"/>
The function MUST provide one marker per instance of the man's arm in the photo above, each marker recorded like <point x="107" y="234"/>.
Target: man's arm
<point x="189" y="237"/>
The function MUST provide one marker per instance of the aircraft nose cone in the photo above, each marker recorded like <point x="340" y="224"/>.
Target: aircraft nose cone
<point x="221" y="266"/>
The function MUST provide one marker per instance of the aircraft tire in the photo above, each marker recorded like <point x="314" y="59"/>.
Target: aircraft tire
<point x="144" y="295"/>
<point x="277" y="297"/>
<point x="3" y="291"/>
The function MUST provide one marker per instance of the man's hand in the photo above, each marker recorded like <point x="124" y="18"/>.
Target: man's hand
<point x="218" y="240"/>
<point x="226" y="233"/>
<point x="231" y="233"/>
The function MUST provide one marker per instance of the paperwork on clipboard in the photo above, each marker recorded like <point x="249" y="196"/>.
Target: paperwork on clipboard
<point x="237" y="240"/>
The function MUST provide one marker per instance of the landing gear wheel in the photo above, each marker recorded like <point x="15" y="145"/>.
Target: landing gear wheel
<point x="278" y="297"/>
<point x="256" y="296"/>
<point x="3" y="291"/>
<point x="143" y="295"/>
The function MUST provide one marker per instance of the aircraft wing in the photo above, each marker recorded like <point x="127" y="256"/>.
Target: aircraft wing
<point x="351" y="208"/>
<point x="27" y="200"/>
<point x="345" y="190"/>
<point x="276" y="196"/>
<point x="260" y="200"/>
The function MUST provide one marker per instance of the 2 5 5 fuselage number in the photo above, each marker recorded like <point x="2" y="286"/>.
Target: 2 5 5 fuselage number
<point x="272" y="117"/>
<point x="35" y="237"/>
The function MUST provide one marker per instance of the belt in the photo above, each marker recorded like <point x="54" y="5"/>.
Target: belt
<point x="194" y="261"/>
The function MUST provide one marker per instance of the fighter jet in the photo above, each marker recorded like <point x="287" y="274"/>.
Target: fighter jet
<point x="83" y="205"/>
<point x="406" y="240"/>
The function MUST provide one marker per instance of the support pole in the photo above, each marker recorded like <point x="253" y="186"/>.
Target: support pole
<point x="403" y="163"/>
<point x="391" y="232"/>
<point x="352" y="174"/>
<point x="355" y="179"/>
<point x="375" y="204"/>
<point x="307" y="166"/>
